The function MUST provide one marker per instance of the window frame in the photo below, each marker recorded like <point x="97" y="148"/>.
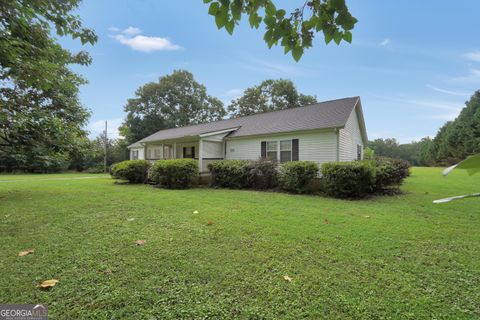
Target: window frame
<point x="272" y="151"/>
<point x="289" y="150"/>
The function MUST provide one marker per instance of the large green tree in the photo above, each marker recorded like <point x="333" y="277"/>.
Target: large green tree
<point x="41" y="118"/>
<point x="175" y="100"/>
<point x="294" y="31"/>
<point x="270" y="95"/>
<point x="28" y="51"/>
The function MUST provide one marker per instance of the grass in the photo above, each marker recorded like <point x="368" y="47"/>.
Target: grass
<point x="398" y="257"/>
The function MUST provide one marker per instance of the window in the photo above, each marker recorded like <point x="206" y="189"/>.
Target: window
<point x="272" y="150"/>
<point x="359" y="152"/>
<point x="156" y="153"/>
<point x="189" y="152"/>
<point x="134" y="154"/>
<point x="285" y="150"/>
<point x="167" y="151"/>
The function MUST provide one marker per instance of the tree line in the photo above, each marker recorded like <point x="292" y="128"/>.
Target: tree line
<point x="454" y="141"/>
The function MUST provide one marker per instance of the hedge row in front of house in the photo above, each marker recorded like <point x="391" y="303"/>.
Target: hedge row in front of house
<point x="355" y="179"/>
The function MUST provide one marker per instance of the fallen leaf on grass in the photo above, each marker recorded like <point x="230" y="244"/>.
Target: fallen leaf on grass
<point x="140" y="242"/>
<point x="48" y="283"/>
<point x="367" y="217"/>
<point x="209" y="223"/>
<point x="287" y="278"/>
<point x="130" y="219"/>
<point x="26" y="252"/>
<point x="195" y="212"/>
<point x="108" y="271"/>
<point x="326" y="221"/>
<point x="7" y="215"/>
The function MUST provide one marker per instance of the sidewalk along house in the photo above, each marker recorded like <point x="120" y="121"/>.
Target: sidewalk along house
<point x="326" y="131"/>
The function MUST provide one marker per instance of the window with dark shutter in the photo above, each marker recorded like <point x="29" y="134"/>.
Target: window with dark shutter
<point x="263" y="152"/>
<point x="294" y="149"/>
<point x="193" y="152"/>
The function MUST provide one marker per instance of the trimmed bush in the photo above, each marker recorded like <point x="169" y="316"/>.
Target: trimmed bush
<point x="233" y="174"/>
<point x="296" y="175"/>
<point x="349" y="179"/>
<point x="135" y="171"/>
<point x="264" y="174"/>
<point x="174" y="173"/>
<point x="390" y="172"/>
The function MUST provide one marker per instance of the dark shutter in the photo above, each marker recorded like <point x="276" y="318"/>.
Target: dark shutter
<point x="184" y="151"/>
<point x="193" y="152"/>
<point x="263" y="152"/>
<point x="294" y="149"/>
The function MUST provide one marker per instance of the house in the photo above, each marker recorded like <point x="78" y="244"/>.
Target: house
<point x="326" y="131"/>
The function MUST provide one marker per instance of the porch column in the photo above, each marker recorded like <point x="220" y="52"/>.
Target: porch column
<point x="200" y="155"/>
<point x="162" y="156"/>
<point x="174" y="150"/>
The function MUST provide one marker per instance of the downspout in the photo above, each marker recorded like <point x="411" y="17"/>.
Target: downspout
<point x="338" y="144"/>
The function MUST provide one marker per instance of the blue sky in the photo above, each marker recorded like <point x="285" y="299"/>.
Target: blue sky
<point x="413" y="63"/>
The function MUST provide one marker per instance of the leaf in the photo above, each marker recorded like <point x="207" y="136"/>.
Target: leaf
<point x="444" y="200"/>
<point x="367" y="217"/>
<point x="287" y="278"/>
<point x="140" y="242"/>
<point x="347" y="36"/>
<point x="337" y="37"/>
<point x="213" y="9"/>
<point x="48" y="283"/>
<point x="130" y="219"/>
<point x="209" y="223"/>
<point x="26" y="252"/>
<point x="195" y="212"/>
<point x="221" y="19"/>
<point x="326" y="221"/>
<point x="297" y="53"/>
<point x="471" y="164"/>
<point x="270" y="9"/>
<point x="229" y="26"/>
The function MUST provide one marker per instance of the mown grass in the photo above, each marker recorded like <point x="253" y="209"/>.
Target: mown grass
<point x="397" y="257"/>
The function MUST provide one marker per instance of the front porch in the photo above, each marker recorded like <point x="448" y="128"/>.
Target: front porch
<point x="202" y="149"/>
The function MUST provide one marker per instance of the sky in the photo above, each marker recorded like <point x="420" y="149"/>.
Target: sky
<point x="413" y="63"/>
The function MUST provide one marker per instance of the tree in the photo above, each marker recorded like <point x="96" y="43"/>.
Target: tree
<point x="28" y="52"/>
<point x="296" y="31"/>
<point x="39" y="128"/>
<point x="175" y="100"/>
<point x="269" y="95"/>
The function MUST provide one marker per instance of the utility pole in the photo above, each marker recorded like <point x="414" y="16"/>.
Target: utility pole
<point x="105" y="141"/>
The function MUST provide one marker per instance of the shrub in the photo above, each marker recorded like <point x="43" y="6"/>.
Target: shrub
<point x="349" y="179"/>
<point x="296" y="175"/>
<point x="233" y="174"/>
<point x="99" y="168"/>
<point x="390" y="172"/>
<point x="174" y="173"/>
<point x="135" y="171"/>
<point x="264" y="174"/>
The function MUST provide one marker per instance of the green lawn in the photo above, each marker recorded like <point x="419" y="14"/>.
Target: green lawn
<point x="397" y="257"/>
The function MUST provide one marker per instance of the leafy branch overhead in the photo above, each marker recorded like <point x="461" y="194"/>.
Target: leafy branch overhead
<point x="294" y="31"/>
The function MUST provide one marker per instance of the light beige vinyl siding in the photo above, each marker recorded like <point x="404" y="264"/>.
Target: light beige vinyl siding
<point x="212" y="149"/>
<point x="320" y="146"/>
<point x="349" y="138"/>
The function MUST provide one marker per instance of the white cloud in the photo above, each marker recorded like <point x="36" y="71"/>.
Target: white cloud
<point x="234" y="93"/>
<point x="132" y="31"/>
<point x="472" y="56"/>
<point x="97" y="127"/>
<point x="453" y="93"/>
<point x="473" y="75"/>
<point x="113" y="29"/>
<point x="131" y="37"/>
<point x="385" y="42"/>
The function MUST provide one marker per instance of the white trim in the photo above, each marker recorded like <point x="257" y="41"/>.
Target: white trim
<point x="217" y="132"/>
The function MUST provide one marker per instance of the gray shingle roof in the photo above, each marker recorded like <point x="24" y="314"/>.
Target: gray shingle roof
<point x="328" y="114"/>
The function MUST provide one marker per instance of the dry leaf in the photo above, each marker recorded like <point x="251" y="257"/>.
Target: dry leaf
<point x="108" y="271"/>
<point x="7" y="215"/>
<point x="367" y="217"/>
<point x="287" y="278"/>
<point x="326" y="221"/>
<point x="140" y="242"/>
<point x="209" y="223"/>
<point x="48" y="283"/>
<point x="130" y="219"/>
<point x="195" y="212"/>
<point x="26" y="252"/>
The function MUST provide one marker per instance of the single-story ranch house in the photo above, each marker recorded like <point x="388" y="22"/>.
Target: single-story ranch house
<point x="327" y="131"/>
